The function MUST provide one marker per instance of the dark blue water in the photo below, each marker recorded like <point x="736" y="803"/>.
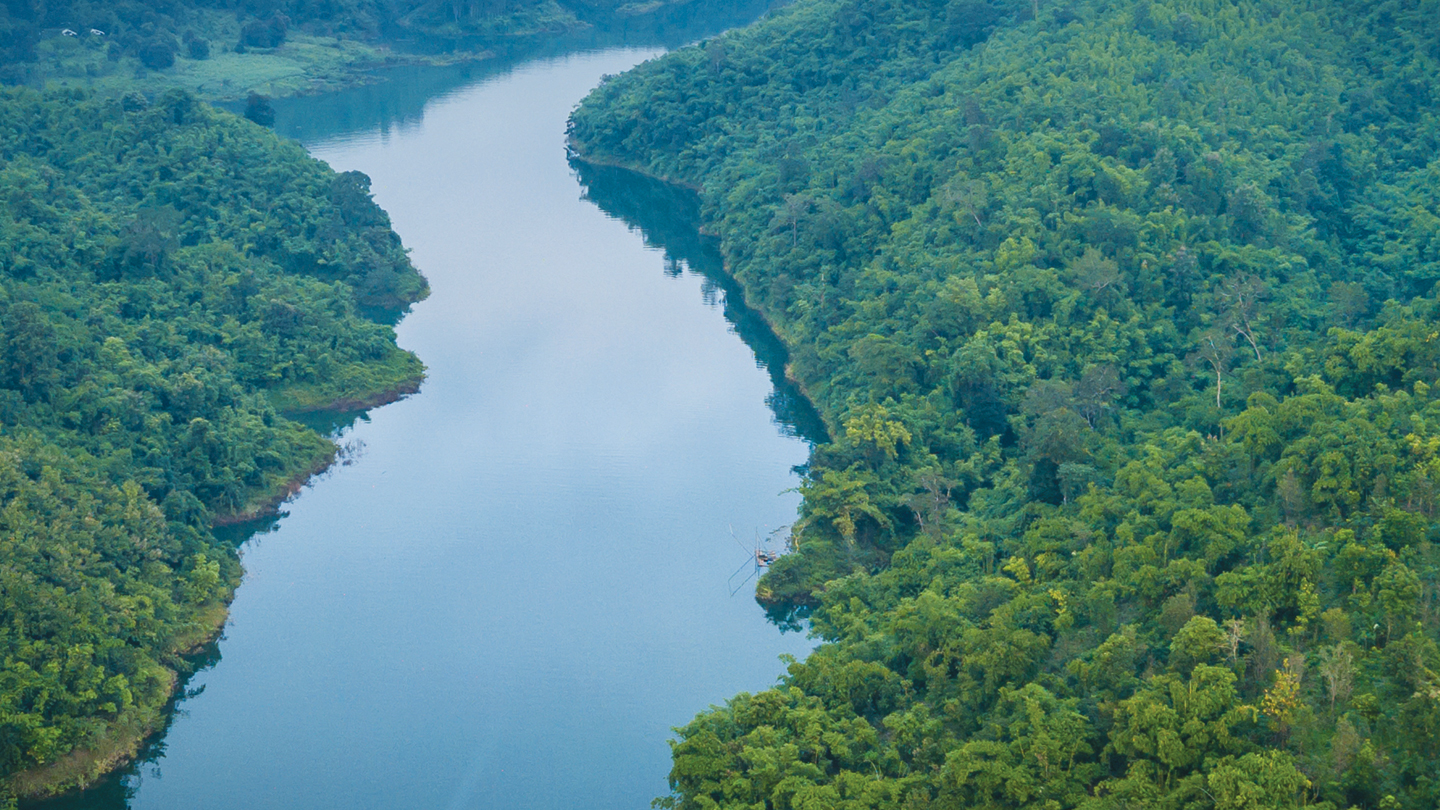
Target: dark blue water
<point x="523" y="578"/>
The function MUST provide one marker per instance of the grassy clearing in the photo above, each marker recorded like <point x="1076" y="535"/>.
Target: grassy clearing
<point x="303" y="65"/>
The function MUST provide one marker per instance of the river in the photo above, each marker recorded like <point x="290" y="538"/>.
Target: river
<point x="521" y="578"/>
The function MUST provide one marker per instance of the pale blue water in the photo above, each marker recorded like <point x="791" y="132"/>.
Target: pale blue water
<point x="520" y="584"/>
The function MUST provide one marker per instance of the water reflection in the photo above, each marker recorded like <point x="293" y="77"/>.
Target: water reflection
<point x="115" y="791"/>
<point x="523" y="584"/>
<point x="396" y="103"/>
<point x="668" y="217"/>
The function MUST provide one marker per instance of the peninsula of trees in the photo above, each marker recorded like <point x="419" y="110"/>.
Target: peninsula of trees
<point x="172" y="279"/>
<point x="1123" y="316"/>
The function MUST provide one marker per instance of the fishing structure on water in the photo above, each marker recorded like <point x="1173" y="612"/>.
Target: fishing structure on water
<point x="758" y="558"/>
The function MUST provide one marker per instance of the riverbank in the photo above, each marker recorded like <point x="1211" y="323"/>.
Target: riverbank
<point x="353" y="387"/>
<point x="119" y="743"/>
<point x="575" y="151"/>
<point x="215" y="65"/>
<point x="122" y="739"/>
<point x="321" y="398"/>
<point x="459" y="461"/>
<point x="147" y="410"/>
<point x="755" y="326"/>
<point x="576" y="391"/>
<point x="792" y="402"/>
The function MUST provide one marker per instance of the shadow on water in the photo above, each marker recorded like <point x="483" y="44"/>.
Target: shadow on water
<point x="329" y="423"/>
<point x="397" y="101"/>
<point x="115" y="790"/>
<point x="668" y="217"/>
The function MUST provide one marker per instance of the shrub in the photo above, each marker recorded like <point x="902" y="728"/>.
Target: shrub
<point x="157" y="54"/>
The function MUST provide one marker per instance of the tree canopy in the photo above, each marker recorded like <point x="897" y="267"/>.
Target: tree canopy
<point x="156" y="33"/>
<point x="172" y="279"/>
<point x="1123" y="319"/>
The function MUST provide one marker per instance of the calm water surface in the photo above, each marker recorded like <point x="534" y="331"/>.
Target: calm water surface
<point x="520" y="584"/>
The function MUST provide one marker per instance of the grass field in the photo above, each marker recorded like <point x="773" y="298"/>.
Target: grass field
<point x="302" y="65"/>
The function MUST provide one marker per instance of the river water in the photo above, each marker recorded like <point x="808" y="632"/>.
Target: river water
<point x="522" y="578"/>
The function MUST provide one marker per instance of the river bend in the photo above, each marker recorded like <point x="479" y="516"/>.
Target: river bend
<point x="521" y="579"/>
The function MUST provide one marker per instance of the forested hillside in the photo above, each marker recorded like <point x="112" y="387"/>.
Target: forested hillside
<point x="1124" y="319"/>
<point x="295" y="45"/>
<point x="170" y="277"/>
<point x="266" y="23"/>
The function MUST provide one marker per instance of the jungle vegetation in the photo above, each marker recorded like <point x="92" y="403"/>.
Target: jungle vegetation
<point x="223" y="49"/>
<point x="1124" y="319"/>
<point x="173" y="278"/>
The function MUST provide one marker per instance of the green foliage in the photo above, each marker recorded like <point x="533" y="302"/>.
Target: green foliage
<point x="168" y="274"/>
<point x="153" y="33"/>
<point x="1128" y="312"/>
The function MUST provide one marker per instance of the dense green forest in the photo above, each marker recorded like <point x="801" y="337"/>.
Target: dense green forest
<point x="172" y="279"/>
<point x="1124" y="319"/>
<point x="223" y="48"/>
<point x="129" y="26"/>
<point x="226" y="49"/>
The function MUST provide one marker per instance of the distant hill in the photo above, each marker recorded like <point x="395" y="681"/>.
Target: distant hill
<point x="224" y="50"/>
